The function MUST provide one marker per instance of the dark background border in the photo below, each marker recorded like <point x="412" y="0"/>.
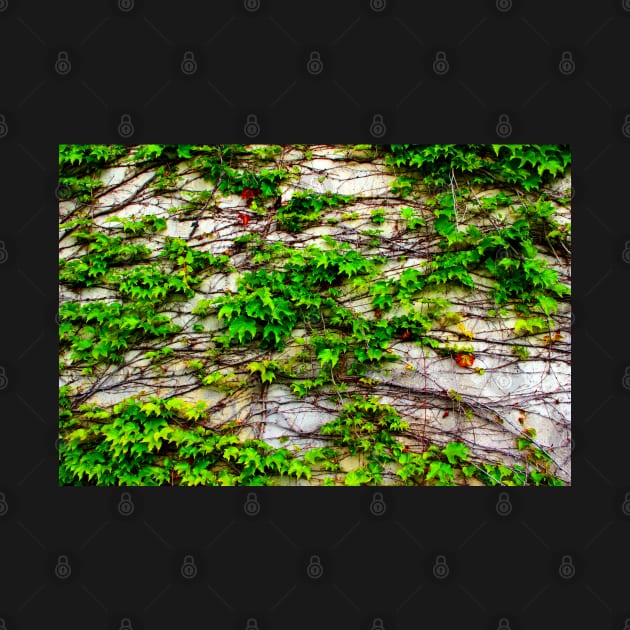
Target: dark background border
<point x="70" y="70"/>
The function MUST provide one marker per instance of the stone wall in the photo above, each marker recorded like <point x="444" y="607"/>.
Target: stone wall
<point x="484" y="381"/>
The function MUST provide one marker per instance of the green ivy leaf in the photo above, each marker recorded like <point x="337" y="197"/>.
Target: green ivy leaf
<point x="242" y="327"/>
<point x="298" y="468"/>
<point x="357" y="477"/>
<point x="328" y="355"/>
<point x="455" y="451"/>
<point x="231" y="452"/>
<point x="444" y="226"/>
<point x="547" y="304"/>
<point x="277" y="331"/>
<point x="151" y="408"/>
<point x="374" y="354"/>
<point x="441" y="470"/>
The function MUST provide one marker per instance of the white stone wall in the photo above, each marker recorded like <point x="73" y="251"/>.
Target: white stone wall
<point x="509" y="395"/>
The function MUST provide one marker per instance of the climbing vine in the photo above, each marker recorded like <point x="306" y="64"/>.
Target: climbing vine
<point x="328" y="318"/>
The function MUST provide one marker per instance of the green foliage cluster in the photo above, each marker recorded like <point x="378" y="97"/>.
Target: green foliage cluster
<point x="369" y="428"/>
<point x="109" y="260"/>
<point x="377" y="215"/>
<point x="80" y="163"/>
<point x="269" y="303"/>
<point x="158" y="442"/>
<point x="164" y="442"/>
<point x="304" y="209"/>
<point x="508" y="255"/>
<point x="165" y="152"/>
<point x="101" y="332"/>
<point x="98" y="332"/>
<point x="411" y="217"/>
<point x="523" y="165"/>
<point x="88" y="157"/>
<point x="222" y="164"/>
<point x="147" y="223"/>
<point x="104" y="253"/>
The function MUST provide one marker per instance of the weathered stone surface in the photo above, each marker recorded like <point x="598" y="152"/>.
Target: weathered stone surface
<point x="506" y="395"/>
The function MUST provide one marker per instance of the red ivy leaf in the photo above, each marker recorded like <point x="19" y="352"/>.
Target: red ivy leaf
<point x="244" y="218"/>
<point x="464" y="359"/>
<point x="406" y="335"/>
<point x="248" y="193"/>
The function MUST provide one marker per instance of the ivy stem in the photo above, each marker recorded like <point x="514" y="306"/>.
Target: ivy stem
<point x="454" y="198"/>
